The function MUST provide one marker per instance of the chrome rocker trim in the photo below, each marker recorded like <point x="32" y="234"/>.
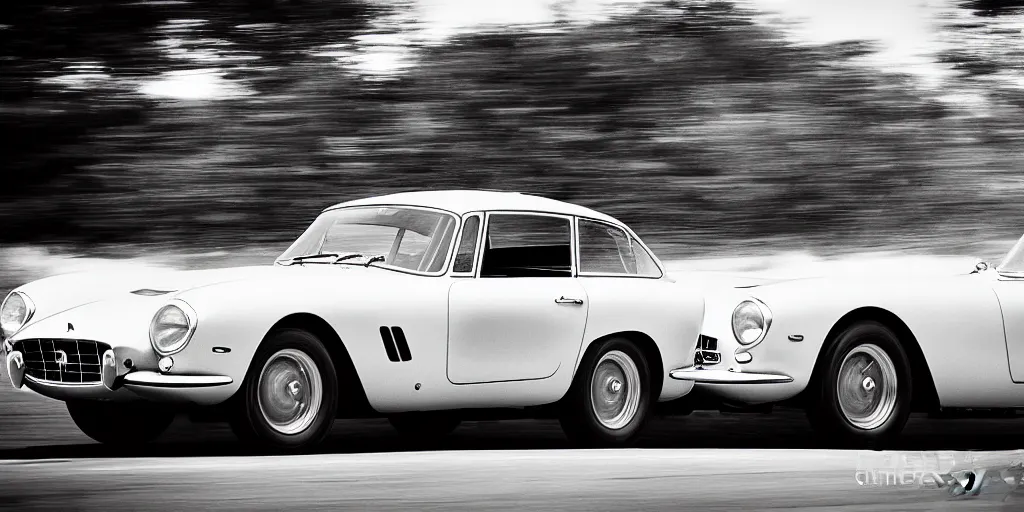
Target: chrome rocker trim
<point x="707" y="376"/>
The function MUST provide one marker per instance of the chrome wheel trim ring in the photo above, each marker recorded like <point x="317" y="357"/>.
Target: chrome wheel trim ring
<point x="867" y="387"/>
<point x="289" y="391"/>
<point x="615" y="390"/>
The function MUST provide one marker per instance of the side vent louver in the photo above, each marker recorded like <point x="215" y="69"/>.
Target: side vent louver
<point x="403" y="345"/>
<point x="395" y="344"/>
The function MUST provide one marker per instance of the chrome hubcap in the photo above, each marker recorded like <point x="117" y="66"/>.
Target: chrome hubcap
<point x="290" y="391"/>
<point x="867" y="387"/>
<point x="615" y="390"/>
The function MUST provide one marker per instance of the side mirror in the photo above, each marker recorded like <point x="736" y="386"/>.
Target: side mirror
<point x="981" y="266"/>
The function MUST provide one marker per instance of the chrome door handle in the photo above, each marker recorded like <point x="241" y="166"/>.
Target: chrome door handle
<point x="565" y="300"/>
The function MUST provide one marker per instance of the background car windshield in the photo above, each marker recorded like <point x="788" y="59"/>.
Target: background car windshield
<point x="1014" y="261"/>
<point x="407" y="238"/>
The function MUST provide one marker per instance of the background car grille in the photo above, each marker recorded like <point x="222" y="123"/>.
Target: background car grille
<point x="707" y="351"/>
<point x="42" y="359"/>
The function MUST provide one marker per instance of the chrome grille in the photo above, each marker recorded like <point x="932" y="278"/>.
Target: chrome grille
<point x="67" y="361"/>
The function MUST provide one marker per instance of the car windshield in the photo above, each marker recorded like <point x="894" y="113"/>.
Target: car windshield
<point x="408" y="238"/>
<point x="1014" y="261"/>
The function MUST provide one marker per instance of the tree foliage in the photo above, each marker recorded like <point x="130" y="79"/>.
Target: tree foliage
<point x="700" y="128"/>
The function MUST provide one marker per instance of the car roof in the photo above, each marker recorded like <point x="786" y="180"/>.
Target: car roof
<point x="464" y="201"/>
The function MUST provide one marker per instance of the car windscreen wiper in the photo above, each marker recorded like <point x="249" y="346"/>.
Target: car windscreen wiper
<point x="379" y="257"/>
<point x="342" y="258"/>
<point x="304" y="257"/>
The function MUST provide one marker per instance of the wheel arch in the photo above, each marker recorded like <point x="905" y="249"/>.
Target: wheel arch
<point x="647" y="346"/>
<point x="925" y="396"/>
<point x="353" y="403"/>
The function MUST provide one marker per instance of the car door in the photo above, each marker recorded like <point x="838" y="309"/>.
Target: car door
<point x="1010" y="290"/>
<point x="522" y="313"/>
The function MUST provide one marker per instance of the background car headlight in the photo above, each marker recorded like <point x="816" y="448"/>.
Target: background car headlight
<point x="15" y="312"/>
<point x="750" y="322"/>
<point x="172" y="327"/>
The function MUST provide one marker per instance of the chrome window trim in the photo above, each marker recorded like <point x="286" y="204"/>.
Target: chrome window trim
<point x="385" y="266"/>
<point x="487" y="226"/>
<point x="629" y="234"/>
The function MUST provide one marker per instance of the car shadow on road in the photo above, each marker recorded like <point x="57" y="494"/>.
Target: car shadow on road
<point x="784" y="429"/>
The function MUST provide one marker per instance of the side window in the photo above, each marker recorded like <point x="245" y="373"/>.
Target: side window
<point x="645" y="265"/>
<point x="523" y="245"/>
<point x="606" y="249"/>
<point x="466" y="255"/>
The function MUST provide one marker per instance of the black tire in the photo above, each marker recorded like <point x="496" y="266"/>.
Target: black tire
<point x="577" y="414"/>
<point x="825" y="411"/>
<point x="120" y="423"/>
<point x="253" y="426"/>
<point x="424" y="428"/>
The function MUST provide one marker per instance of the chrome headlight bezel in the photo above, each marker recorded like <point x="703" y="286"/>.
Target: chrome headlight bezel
<point x="181" y="343"/>
<point x="30" y="310"/>
<point x="765" y="320"/>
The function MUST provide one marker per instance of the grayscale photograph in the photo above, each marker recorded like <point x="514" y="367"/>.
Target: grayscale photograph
<point x="568" y="255"/>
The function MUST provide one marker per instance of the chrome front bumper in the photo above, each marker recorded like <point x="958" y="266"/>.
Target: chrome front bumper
<point x="113" y="376"/>
<point x="711" y="376"/>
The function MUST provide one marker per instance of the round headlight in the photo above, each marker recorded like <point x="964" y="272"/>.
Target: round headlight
<point x="750" y="322"/>
<point x="15" y="312"/>
<point x="171" y="328"/>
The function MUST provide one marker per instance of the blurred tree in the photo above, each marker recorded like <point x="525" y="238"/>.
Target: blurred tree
<point x="700" y="128"/>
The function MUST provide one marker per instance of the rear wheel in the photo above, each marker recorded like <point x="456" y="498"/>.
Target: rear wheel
<point x="290" y="395"/>
<point x="863" y="391"/>
<point x="121" y="424"/>
<point x="610" y="397"/>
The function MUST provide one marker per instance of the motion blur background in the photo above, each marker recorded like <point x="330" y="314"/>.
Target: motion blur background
<point x="198" y="133"/>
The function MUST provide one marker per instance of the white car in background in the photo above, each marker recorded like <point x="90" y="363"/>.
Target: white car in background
<point x="416" y="306"/>
<point x="861" y="353"/>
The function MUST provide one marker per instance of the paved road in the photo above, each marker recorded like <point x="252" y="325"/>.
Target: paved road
<point x="709" y="461"/>
<point x="635" y="479"/>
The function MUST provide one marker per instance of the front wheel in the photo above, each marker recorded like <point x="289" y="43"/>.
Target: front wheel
<point x="120" y="424"/>
<point x="290" y="395"/>
<point x="863" y="391"/>
<point x="610" y="397"/>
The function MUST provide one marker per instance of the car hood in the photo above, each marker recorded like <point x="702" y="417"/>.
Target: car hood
<point x="61" y="293"/>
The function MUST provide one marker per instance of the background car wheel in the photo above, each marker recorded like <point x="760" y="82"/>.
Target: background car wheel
<point x="610" y="397"/>
<point x="862" y="394"/>
<point x="290" y="395"/>
<point x="122" y="424"/>
<point x="424" y="428"/>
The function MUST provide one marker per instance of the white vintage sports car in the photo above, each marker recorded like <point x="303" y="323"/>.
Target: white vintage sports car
<point x="417" y="306"/>
<point x="861" y="354"/>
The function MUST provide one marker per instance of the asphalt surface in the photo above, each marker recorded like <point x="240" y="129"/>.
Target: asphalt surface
<point x="706" y="460"/>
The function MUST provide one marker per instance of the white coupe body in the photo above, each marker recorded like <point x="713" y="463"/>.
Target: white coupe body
<point x="963" y="336"/>
<point x="439" y="334"/>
